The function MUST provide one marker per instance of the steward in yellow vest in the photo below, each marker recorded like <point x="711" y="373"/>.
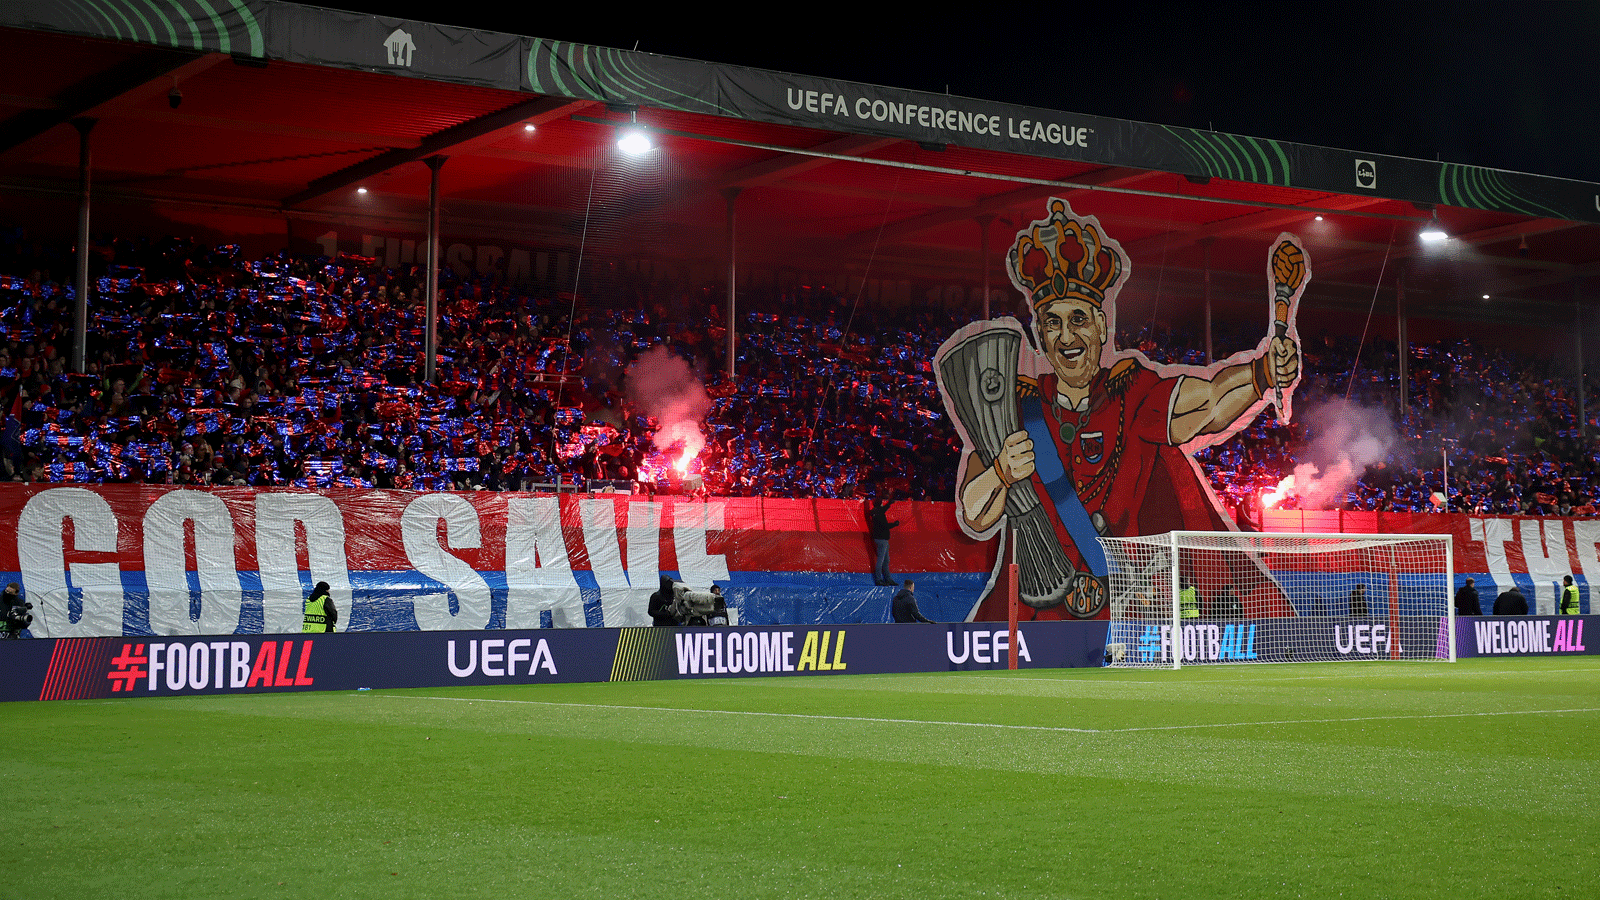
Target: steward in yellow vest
<point x="321" y="615"/>
<point x="1189" y="602"/>
<point x="1569" y="598"/>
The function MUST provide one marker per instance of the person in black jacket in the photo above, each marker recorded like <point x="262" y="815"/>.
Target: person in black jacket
<point x="660" y="608"/>
<point x="1511" y="603"/>
<point x="1467" y="600"/>
<point x="878" y="526"/>
<point x="904" y="608"/>
<point x="1358" y="600"/>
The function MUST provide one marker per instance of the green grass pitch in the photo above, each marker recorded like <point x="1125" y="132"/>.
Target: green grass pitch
<point x="1473" y="779"/>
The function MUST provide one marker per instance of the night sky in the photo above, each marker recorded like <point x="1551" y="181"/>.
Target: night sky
<point x="1509" y="86"/>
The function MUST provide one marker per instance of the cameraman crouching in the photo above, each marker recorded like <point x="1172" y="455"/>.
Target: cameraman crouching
<point x="14" y="615"/>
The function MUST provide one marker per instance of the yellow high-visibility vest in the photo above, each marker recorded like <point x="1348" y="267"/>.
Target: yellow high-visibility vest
<point x="1189" y="603"/>
<point x="316" y="614"/>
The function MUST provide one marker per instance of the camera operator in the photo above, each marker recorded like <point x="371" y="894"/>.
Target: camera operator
<point x="719" y="612"/>
<point x="14" y="615"/>
<point x="662" y="609"/>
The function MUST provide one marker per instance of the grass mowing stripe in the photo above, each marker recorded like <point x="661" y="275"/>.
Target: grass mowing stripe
<point x="870" y="719"/>
<point x="738" y="712"/>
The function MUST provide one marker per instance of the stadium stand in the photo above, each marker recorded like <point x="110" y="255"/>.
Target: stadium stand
<point x="210" y="369"/>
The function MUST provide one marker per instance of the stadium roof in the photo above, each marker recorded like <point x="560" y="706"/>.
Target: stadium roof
<point x="286" y="110"/>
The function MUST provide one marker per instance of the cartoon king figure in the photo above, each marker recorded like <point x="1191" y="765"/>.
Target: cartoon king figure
<point x="1078" y="439"/>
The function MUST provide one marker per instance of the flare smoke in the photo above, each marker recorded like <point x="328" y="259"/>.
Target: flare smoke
<point x="663" y="387"/>
<point x="1346" y="438"/>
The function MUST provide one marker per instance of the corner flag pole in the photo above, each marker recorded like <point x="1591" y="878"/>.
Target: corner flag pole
<point x="1011" y="605"/>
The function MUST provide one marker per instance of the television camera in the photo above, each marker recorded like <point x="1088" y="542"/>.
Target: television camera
<point x="16" y="620"/>
<point x="692" y="607"/>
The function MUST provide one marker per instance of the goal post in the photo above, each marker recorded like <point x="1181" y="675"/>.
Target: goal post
<point x="1207" y="597"/>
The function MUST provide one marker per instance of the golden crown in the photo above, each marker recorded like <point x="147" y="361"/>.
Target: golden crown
<point x="1066" y="257"/>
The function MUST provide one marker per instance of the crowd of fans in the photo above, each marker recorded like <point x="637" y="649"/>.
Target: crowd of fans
<point x="205" y="368"/>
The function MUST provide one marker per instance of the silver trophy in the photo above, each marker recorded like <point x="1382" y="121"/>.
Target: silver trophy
<point x="986" y="407"/>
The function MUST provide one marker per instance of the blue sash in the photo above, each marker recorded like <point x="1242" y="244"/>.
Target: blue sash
<point x="1047" y="463"/>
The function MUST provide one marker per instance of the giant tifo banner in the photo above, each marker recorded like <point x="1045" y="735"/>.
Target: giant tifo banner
<point x="147" y="560"/>
<point x="1067" y="438"/>
<point x="82" y="668"/>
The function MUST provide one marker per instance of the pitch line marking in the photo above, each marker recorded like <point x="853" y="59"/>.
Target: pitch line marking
<point x="1002" y="726"/>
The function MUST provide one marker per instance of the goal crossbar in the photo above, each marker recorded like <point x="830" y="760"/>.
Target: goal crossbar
<point x="1190" y="597"/>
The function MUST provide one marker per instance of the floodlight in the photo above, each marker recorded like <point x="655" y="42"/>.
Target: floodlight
<point x="1434" y="231"/>
<point x="633" y="139"/>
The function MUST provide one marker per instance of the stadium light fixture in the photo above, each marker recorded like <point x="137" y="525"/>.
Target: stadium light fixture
<point x="529" y="128"/>
<point x="361" y="190"/>
<point x="1434" y="231"/>
<point x="633" y="139"/>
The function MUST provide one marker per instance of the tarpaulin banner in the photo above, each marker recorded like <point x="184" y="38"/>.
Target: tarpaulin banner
<point x="81" y="668"/>
<point x="152" y="560"/>
<point x="1532" y="553"/>
<point x="148" y="560"/>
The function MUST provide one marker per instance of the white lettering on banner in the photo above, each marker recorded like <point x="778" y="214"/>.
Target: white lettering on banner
<point x="644" y="567"/>
<point x="238" y="664"/>
<point x="42" y="559"/>
<point x="1544" y="548"/>
<point x="1048" y="132"/>
<point x="691" y="523"/>
<point x="1585" y="537"/>
<point x="165" y="568"/>
<point x="198" y="665"/>
<point x="823" y="102"/>
<point x="419" y="530"/>
<point x="721" y="652"/>
<point x="86" y="599"/>
<point x="278" y="557"/>
<point x="1494" y="534"/>
<point x="499" y="657"/>
<point x="1198" y="642"/>
<point x="938" y="118"/>
<point x="977" y="645"/>
<point x="599" y="517"/>
<point x="538" y="569"/>
<point x="1365" y="639"/>
<point x="1496" y="637"/>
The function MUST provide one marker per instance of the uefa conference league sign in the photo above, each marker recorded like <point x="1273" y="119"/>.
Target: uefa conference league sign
<point x="559" y="69"/>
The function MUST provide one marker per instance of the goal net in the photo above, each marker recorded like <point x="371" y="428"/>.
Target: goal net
<point x="1192" y="597"/>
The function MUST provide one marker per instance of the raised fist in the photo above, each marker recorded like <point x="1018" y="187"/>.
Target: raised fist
<point x="1288" y="269"/>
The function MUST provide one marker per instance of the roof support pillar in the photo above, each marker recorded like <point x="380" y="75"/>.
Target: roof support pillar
<point x="983" y="255"/>
<point x="732" y="196"/>
<point x="80" y="280"/>
<point x="1207" y="242"/>
<point x="1402" y="345"/>
<point x="430" y="338"/>
<point x="1577" y="342"/>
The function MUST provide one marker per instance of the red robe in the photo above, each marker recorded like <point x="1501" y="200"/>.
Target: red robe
<point x="1122" y="464"/>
